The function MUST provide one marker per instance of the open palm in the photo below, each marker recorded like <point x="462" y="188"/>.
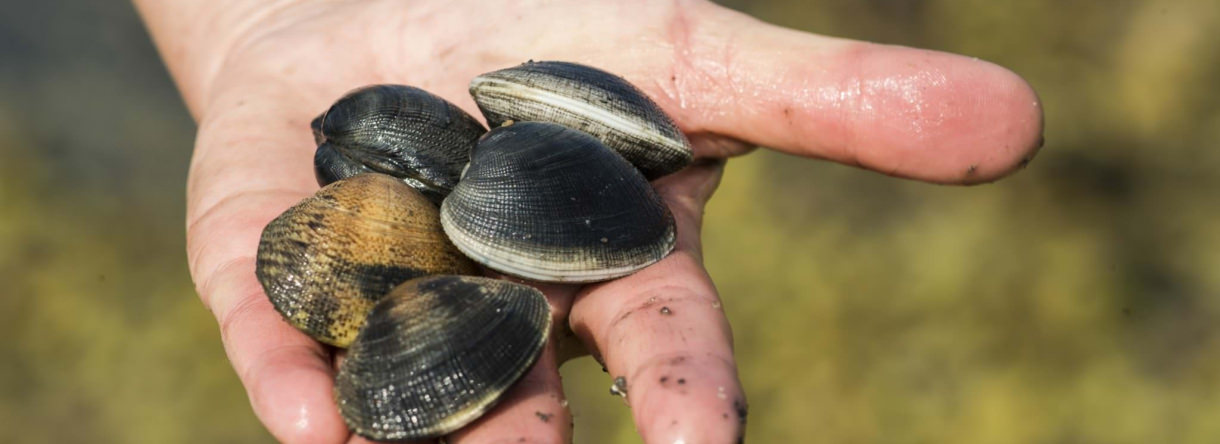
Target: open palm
<point x="729" y="81"/>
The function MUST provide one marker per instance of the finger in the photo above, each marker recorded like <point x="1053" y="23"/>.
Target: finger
<point x="901" y="111"/>
<point x="233" y="194"/>
<point x="286" y="374"/>
<point x="686" y="193"/>
<point x="662" y="330"/>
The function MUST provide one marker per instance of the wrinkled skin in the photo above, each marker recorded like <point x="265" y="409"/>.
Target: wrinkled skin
<point x="730" y="82"/>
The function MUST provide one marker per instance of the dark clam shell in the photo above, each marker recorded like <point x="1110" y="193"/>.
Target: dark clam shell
<point x="398" y="130"/>
<point x="549" y="203"/>
<point x="590" y="100"/>
<point x="327" y="260"/>
<point x="315" y="127"/>
<point x="437" y="353"/>
<point x="330" y="165"/>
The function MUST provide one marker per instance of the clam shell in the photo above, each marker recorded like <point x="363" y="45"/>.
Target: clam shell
<point x="327" y="260"/>
<point x="590" y="100"/>
<point x="315" y="127"/>
<point x="549" y="203"/>
<point x="437" y="353"/>
<point x="330" y="165"/>
<point x="398" y="130"/>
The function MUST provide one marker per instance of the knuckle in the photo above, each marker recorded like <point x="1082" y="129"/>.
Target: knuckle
<point x="235" y="316"/>
<point x="661" y="301"/>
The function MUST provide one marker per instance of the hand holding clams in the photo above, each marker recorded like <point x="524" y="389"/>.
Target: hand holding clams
<point x="553" y="197"/>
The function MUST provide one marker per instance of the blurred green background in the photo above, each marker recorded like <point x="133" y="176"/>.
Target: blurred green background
<point x="1073" y="302"/>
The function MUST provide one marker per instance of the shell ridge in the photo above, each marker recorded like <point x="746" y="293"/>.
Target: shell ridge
<point x="577" y="107"/>
<point x="395" y="397"/>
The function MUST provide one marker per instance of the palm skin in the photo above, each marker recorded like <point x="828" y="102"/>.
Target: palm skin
<point x="729" y="81"/>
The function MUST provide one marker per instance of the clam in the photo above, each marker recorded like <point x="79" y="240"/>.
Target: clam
<point x="398" y="130"/>
<point x="327" y="260"/>
<point x="549" y="203"/>
<point x="590" y="100"/>
<point x="437" y="353"/>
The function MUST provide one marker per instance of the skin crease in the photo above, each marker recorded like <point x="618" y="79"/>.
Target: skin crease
<point x="253" y="74"/>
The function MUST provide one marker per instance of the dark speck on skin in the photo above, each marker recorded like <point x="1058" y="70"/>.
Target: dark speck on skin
<point x="972" y="169"/>
<point x="742" y="411"/>
<point x="664" y="379"/>
<point x="545" y="417"/>
<point x="666" y="311"/>
<point x="681" y="381"/>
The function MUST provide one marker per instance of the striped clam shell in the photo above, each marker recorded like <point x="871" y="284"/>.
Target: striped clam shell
<point x="437" y="353"/>
<point x="587" y="99"/>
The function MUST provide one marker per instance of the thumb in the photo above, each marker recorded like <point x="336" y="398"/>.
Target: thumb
<point x="906" y="112"/>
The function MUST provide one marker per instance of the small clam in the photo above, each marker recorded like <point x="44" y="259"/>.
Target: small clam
<point x="437" y="353"/>
<point x="549" y="203"/>
<point x="327" y="260"/>
<point x="590" y="100"/>
<point x="398" y="130"/>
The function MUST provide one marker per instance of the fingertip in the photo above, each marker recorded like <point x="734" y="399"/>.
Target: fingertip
<point x="291" y="393"/>
<point x="948" y="118"/>
<point x="288" y="376"/>
<point x="922" y="114"/>
<point x="1017" y="100"/>
<point x="689" y="399"/>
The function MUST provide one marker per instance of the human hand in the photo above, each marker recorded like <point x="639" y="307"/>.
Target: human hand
<point x="254" y="73"/>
